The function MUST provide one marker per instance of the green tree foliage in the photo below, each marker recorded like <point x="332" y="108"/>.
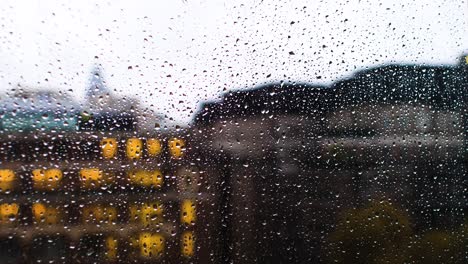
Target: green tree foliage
<point x="382" y="233"/>
<point x="434" y="247"/>
<point x="370" y="235"/>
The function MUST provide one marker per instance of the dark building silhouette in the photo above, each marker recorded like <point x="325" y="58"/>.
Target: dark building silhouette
<point x="293" y="156"/>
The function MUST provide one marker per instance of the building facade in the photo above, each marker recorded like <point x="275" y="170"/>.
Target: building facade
<point x="297" y="157"/>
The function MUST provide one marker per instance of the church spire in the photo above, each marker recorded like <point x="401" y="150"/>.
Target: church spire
<point x="97" y="85"/>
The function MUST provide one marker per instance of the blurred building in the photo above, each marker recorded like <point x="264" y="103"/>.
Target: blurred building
<point x="28" y="110"/>
<point x="86" y="184"/>
<point x="295" y="156"/>
<point x="104" y="110"/>
<point x="111" y="111"/>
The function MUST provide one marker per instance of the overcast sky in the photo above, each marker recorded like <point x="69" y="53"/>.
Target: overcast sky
<point x="173" y="54"/>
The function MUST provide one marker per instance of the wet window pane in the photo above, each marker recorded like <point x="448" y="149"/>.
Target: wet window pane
<point x="222" y="131"/>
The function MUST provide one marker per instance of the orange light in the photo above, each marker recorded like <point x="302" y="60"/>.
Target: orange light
<point x="177" y="147"/>
<point x="134" y="148"/>
<point x="146" y="178"/>
<point x="92" y="178"/>
<point x="153" y="146"/>
<point x="46" y="179"/>
<point x="99" y="214"/>
<point x="150" y="213"/>
<point x="111" y="247"/>
<point x="8" y="213"/>
<point x="109" y="147"/>
<point x="45" y="214"/>
<point x="151" y="245"/>
<point x="7" y="180"/>
<point x="188" y="212"/>
<point x="38" y="175"/>
<point x="188" y="244"/>
<point x="53" y="175"/>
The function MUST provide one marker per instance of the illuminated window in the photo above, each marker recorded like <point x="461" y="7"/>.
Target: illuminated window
<point x="7" y="180"/>
<point x="151" y="245"/>
<point x="134" y="148"/>
<point x="176" y="147"/>
<point x="9" y="213"/>
<point x="151" y="213"/>
<point x="188" y="212"/>
<point x="46" y="179"/>
<point x="148" y="214"/>
<point x="111" y="247"/>
<point x="45" y="214"/>
<point x="99" y="214"/>
<point x="188" y="244"/>
<point x="146" y="178"/>
<point x="109" y="148"/>
<point x="90" y="177"/>
<point x="153" y="147"/>
<point x="93" y="178"/>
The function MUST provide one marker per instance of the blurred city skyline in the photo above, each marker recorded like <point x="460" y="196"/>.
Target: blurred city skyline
<point x="174" y="56"/>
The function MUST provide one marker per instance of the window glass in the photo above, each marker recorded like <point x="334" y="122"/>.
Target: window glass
<point x="249" y="131"/>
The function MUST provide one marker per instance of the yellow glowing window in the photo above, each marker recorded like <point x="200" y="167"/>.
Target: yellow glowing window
<point x="176" y="147"/>
<point x="147" y="213"/>
<point x="93" y="178"/>
<point x="45" y="214"/>
<point x="466" y="59"/>
<point x="109" y="148"/>
<point x="151" y="245"/>
<point x="188" y="212"/>
<point x="146" y="178"/>
<point x="151" y="213"/>
<point x="46" y="179"/>
<point x="7" y="180"/>
<point x="134" y="148"/>
<point x="99" y="214"/>
<point x="111" y="247"/>
<point x="188" y="244"/>
<point x="153" y="146"/>
<point x="8" y="213"/>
